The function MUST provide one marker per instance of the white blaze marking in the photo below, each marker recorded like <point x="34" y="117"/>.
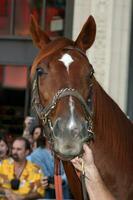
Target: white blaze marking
<point x="71" y="122"/>
<point x="71" y="104"/>
<point x="67" y="60"/>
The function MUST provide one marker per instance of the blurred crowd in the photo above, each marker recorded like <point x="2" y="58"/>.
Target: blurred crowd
<point x="27" y="166"/>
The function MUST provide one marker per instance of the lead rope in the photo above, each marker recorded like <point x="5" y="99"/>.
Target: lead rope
<point x="58" y="179"/>
<point x="82" y="177"/>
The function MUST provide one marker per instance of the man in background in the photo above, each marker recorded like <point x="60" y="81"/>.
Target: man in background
<point x="20" y="179"/>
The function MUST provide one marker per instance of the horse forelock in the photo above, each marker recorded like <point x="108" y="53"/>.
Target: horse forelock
<point x="50" y="49"/>
<point x="114" y="130"/>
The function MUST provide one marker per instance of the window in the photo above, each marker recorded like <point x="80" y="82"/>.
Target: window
<point x="15" y="16"/>
<point x="55" y="17"/>
<point x="13" y="80"/>
<point x="5" y="15"/>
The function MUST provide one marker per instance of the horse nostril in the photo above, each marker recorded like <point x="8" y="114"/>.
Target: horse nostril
<point x="58" y="128"/>
<point x="68" y="146"/>
<point x="75" y="132"/>
<point x="60" y="123"/>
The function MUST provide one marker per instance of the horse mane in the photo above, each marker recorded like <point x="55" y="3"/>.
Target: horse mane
<point x="113" y="128"/>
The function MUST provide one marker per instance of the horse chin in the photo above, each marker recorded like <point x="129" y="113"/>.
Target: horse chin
<point x="66" y="157"/>
<point x="68" y="148"/>
<point x="68" y="152"/>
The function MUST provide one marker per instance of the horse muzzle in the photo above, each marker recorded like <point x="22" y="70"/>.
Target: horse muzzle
<point x="69" y="137"/>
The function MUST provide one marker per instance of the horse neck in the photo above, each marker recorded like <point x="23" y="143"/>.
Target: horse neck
<point x="114" y="132"/>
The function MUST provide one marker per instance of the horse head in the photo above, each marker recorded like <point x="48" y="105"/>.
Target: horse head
<point x="63" y="78"/>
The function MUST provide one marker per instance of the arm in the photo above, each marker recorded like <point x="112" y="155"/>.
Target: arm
<point x="32" y="196"/>
<point x="94" y="183"/>
<point x="2" y="191"/>
<point x="27" y="124"/>
<point x="10" y="195"/>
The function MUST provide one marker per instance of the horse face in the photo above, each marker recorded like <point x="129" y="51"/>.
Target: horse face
<point x="64" y="76"/>
<point x="67" y="69"/>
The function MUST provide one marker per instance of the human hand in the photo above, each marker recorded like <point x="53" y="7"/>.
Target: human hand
<point x="10" y="195"/>
<point x="87" y="159"/>
<point x="45" y="182"/>
<point x="28" y="121"/>
<point x="88" y="156"/>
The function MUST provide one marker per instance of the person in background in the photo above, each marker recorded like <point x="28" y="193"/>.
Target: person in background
<point x="93" y="181"/>
<point x="43" y="157"/>
<point x="32" y="130"/>
<point x="28" y="123"/>
<point x="20" y="179"/>
<point x="4" y="148"/>
<point x="36" y="133"/>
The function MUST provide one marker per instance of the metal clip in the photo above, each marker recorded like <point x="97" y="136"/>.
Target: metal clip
<point x="44" y="120"/>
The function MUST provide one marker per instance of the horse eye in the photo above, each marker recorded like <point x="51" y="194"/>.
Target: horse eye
<point x="39" y="71"/>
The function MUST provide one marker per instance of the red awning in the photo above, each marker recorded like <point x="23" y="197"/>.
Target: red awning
<point x="15" y="77"/>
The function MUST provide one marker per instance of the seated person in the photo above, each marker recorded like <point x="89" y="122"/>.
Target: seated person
<point x="20" y="179"/>
<point x="4" y="149"/>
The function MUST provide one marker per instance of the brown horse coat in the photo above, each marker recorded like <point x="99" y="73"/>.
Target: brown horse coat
<point x="113" y="145"/>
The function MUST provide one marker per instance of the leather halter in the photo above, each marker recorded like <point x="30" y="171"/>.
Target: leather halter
<point x="43" y="112"/>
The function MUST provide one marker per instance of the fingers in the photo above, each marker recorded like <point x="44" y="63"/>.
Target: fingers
<point x="88" y="155"/>
<point x="87" y="158"/>
<point x="86" y="148"/>
<point x="8" y="194"/>
<point x="77" y="162"/>
<point x="45" y="182"/>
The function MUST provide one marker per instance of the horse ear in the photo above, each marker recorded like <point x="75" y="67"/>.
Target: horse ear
<point x="87" y="34"/>
<point x="39" y="37"/>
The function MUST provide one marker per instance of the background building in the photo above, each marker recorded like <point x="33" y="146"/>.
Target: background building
<point x="111" y="55"/>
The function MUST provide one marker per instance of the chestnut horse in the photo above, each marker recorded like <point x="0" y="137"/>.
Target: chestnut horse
<point x="71" y="105"/>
